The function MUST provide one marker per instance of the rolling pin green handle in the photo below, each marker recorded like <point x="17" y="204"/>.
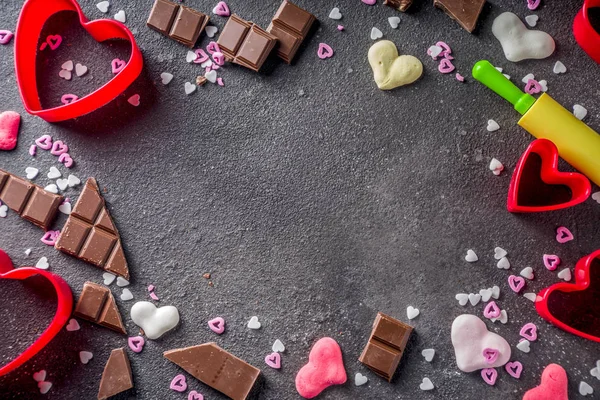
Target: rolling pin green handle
<point x="485" y="73"/>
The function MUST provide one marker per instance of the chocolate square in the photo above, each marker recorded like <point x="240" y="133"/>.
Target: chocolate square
<point x="88" y="205"/>
<point x="188" y="25"/>
<point x="391" y="331"/>
<point x="16" y="192"/>
<point x="72" y="236"/>
<point x="162" y="16"/>
<point x="382" y="359"/>
<point x="97" y="247"/>
<point x="91" y="301"/>
<point x="41" y="207"/>
<point x="255" y="49"/>
<point x="288" y="42"/>
<point x="233" y="35"/>
<point x="293" y="18"/>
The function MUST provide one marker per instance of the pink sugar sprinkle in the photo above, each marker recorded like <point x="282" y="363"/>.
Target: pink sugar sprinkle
<point x="214" y="66"/>
<point x="207" y="69"/>
<point x="153" y="296"/>
<point x="340" y="27"/>
<point x="459" y="77"/>
<point x="150" y="288"/>
<point x="32" y="150"/>
<point x="220" y="81"/>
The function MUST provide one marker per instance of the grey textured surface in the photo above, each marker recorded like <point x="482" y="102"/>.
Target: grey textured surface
<point x="314" y="200"/>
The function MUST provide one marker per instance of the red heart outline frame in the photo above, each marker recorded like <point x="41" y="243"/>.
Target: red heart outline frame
<point x="580" y="185"/>
<point x="582" y="282"/>
<point x="33" y="16"/>
<point x="63" y="310"/>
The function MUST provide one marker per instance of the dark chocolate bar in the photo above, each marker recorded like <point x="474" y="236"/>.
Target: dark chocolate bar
<point x="116" y="377"/>
<point x="385" y="346"/>
<point x="290" y="25"/>
<point x="180" y="23"/>
<point x="245" y="43"/>
<point x="97" y="304"/>
<point x="217" y="368"/>
<point x="400" y="5"/>
<point x="28" y="200"/>
<point x="465" y="12"/>
<point x="90" y="233"/>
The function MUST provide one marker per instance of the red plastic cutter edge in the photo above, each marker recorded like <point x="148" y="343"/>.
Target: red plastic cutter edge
<point x="585" y="34"/>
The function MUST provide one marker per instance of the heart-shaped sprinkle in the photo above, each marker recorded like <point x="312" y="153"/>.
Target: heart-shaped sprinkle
<point x="531" y="20"/>
<point x="58" y="148"/>
<point x="533" y="4"/>
<point x="126" y="295"/>
<point x="42" y="263"/>
<point x="412" y="312"/>
<point x="202" y="57"/>
<point x="66" y="75"/>
<point x="369" y="2"/>
<point x="529" y="332"/>
<point x="324" y="51"/>
<point x="44" y="142"/>
<point x="27" y="252"/>
<point x="67" y="65"/>
<point x="486" y="294"/>
<point x="499" y="253"/>
<point x="563" y="235"/>
<point x="212" y="48"/>
<point x="565" y="275"/>
<point x="325" y="367"/>
<point x="108" y="278"/>
<point x="68" y="98"/>
<point x="53" y="41"/>
<point x="335" y="14"/>
<point x="211" y="31"/>
<point x="490" y="355"/>
<point x="136" y="344"/>
<point x="117" y="65"/>
<point x="3" y="210"/>
<point x="154" y="321"/>
<point x="120" y="16"/>
<point x="85" y="356"/>
<point x="73" y="181"/>
<point x="585" y="388"/>
<point x="551" y="261"/>
<point x="474" y="299"/>
<point x="193" y="395"/>
<point x="217" y="325"/>
<point x="103" y="6"/>
<point x="73" y="325"/>
<point x="471" y="256"/>
<point x="491" y="310"/>
<point x="54" y="173"/>
<point x="122" y="282"/>
<point x="503" y="318"/>
<point x="221" y="9"/>
<point x="218" y="58"/>
<point x="206" y="63"/>
<point x="50" y="237"/>
<point x="489" y="376"/>
<point x="190" y="88"/>
<point x="80" y="69"/>
<point x="278" y="346"/>
<point x="516" y="283"/>
<point x="39" y="376"/>
<point x="166" y="78"/>
<point x="579" y="111"/>
<point x="31" y="172"/>
<point x="190" y="56"/>
<point x="434" y="51"/>
<point x="360" y="379"/>
<point x="524" y="346"/>
<point x="595" y="372"/>
<point x="66" y="160"/>
<point x="462" y="298"/>
<point x="527" y="78"/>
<point x="5" y="36"/>
<point x="178" y="384"/>
<point x="496" y="167"/>
<point x="65" y="207"/>
<point x="254" y="323"/>
<point x="543" y="85"/>
<point x="533" y="87"/>
<point x="596" y="197"/>
<point x="532" y="297"/>
<point x="514" y="369"/>
<point x="62" y="184"/>
<point x="426" y="384"/>
<point x="273" y="360"/>
<point x="394" y="22"/>
<point x="428" y="354"/>
<point x="376" y="34"/>
<point x="52" y="188"/>
<point x="446" y="66"/>
<point x="503" y="263"/>
<point x="492" y="126"/>
<point x="134" y="100"/>
<point x="44" y="387"/>
<point x="527" y="273"/>
<point x="559" y="68"/>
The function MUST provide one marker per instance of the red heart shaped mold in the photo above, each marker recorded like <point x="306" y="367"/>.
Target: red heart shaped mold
<point x="537" y="185"/>
<point x="33" y="16"/>
<point x="575" y="307"/>
<point x="63" y="310"/>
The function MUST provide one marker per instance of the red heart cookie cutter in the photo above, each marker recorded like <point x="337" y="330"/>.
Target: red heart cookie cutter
<point x="586" y="35"/>
<point x="574" y="307"/>
<point x="63" y="311"/>
<point x="29" y="28"/>
<point x="537" y="185"/>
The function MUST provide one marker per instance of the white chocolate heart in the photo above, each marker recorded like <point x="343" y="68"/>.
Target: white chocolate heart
<point x="154" y="321"/>
<point x="518" y="42"/>
<point x="390" y="70"/>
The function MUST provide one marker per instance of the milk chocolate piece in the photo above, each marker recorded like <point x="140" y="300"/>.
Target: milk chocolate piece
<point x="290" y="25"/>
<point x="162" y="16"/>
<point x="180" y="23"/>
<point x="30" y="201"/>
<point x="90" y="233"/>
<point x="245" y="43"/>
<point x="97" y="304"/>
<point x="116" y="377"/>
<point x="217" y="368"/>
<point x="385" y="346"/>
<point x="400" y="5"/>
<point x="465" y="12"/>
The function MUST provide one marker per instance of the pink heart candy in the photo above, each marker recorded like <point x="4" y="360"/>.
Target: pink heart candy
<point x="489" y="375"/>
<point x="491" y="310"/>
<point x="50" y="237"/>
<point x="551" y="261"/>
<point x="134" y="100"/>
<point x="446" y="66"/>
<point x="201" y="56"/>
<point x="273" y="360"/>
<point x="218" y="58"/>
<point x="136" y="344"/>
<point x="58" y="148"/>
<point x="490" y="355"/>
<point x="44" y="142"/>
<point x="325" y="368"/>
<point x="212" y="48"/>
<point x="446" y="50"/>
<point x="117" y="65"/>
<point x="65" y="159"/>
<point x="9" y="129"/>
<point x="369" y="2"/>
<point x="514" y="369"/>
<point x="324" y="51"/>
<point x="178" y="384"/>
<point x="529" y="331"/>
<point x="533" y="87"/>
<point x="553" y="386"/>
<point x="5" y="36"/>
<point x="563" y="235"/>
<point x="53" y="41"/>
<point x="533" y="4"/>
<point x="217" y="325"/>
<point x="68" y="98"/>
<point x="222" y="9"/>
<point x="193" y="395"/>
<point x="214" y="66"/>
<point x="516" y="283"/>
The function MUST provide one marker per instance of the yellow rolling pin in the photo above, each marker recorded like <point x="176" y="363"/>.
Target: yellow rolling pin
<point x="544" y="118"/>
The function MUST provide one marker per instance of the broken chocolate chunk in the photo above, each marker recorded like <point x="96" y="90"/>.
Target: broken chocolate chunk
<point x="465" y="12"/>
<point x="116" y="377"/>
<point x="400" y="5"/>
<point x="97" y="304"/>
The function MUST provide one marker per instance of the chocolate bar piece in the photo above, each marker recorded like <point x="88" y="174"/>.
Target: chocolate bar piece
<point x="217" y="368"/>
<point x="97" y="304"/>
<point x="290" y="25"/>
<point x="245" y="43"/>
<point x="180" y="23"/>
<point x="116" y="377"/>
<point x="386" y="344"/>
<point x="90" y="233"/>
<point x="400" y="5"/>
<point x="465" y="12"/>
<point x="28" y="200"/>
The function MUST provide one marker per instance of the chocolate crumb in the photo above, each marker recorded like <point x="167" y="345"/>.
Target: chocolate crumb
<point x="200" y="80"/>
<point x="206" y="275"/>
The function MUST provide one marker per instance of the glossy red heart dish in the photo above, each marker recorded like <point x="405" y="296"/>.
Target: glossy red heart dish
<point x="63" y="310"/>
<point x="33" y="16"/>
<point x="537" y="185"/>
<point x="575" y="307"/>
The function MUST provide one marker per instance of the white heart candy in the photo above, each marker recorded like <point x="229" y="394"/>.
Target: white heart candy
<point x="62" y="183"/>
<point x="27" y="252"/>
<point x="492" y="126"/>
<point x="503" y="318"/>
<point x="559" y="68"/>
<point x="42" y="263"/>
<point x="474" y="299"/>
<point x="527" y="273"/>
<point x="39" y="376"/>
<point x="278" y="346"/>
<point x="80" y="70"/>
<point x="206" y="63"/>
<point x="485" y="294"/>
<point x="211" y="76"/>
<point x="579" y="111"/>
<point x="496" y="292"/>
<point x="189" y="88"/>
<point x="544" y="85"/>
<point x="65" y="208"/>
<point x="66" y="75"/>
<point x="54" y="173"/>
<point x="211" y="30"/>
<point x="532" y="20"/>
<point x="596" y="197"/>
<point x="154" y="321"/>
<point x="530" y="296"/>
<point x="496" y="166"/>
<point x="120" y="16"/>
<point x="426" y="384"/>
<point x="412" y="312"/>
<point x="190" y="56"/>
<point x="394" y="22"/>
<point x="434" y="51"/>
<point x="108" y="278"/>
<point x="462" y="298"/>
<point x="122" y="282"/>
<point x="596" y="370"/>
<point x="565" y="274"/>
<point x="376" y="34"/>
<point x="73" y="181"/>
<point x="527" y="78"/>
<point x="503" y="263"/>
<point x="67" y="65"/>
<point x="524" y="346"/>
<point x="3" y="210"/>
<point x="499" y="253"/>
<point x="73" y="325"/>
<point x="499" y="69"/>
<point x="254" y="323"/>
<point x="428" y="354"/>
<point x="585" y="388"/>
<point x="44" y="387"/>
<point x="31" y="172"/>
<point x="126" y="295"/>
<point x="103" y="6"/>
<point x="471" y="256"/>
<point x="518" y="42"/>
<point x="85" y="356"/>
<point x="360" y="379"/>
<point x="335" y="14"/>
<point x="166" y="78"/>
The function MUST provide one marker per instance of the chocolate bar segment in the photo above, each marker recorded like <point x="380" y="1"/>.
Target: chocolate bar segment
<point x="465" y="12"/>
<point x="386" y="345"/>
<point x="400" y="5"/>
<point x="245" y="43"/>
<point x="90" y="233"/>
<point x="162" y="16"/>
<point x="116" y="377"/>
<point x="217" y="368"/>
<point x="180" y="23"/>
<point x="290" y="25"/>
<point x="233" y="35"/>
<point x="97" y="304"/>
<point x="30" y="201"/>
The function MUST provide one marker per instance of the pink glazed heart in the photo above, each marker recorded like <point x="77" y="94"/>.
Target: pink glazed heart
<point x="193" y="395"/>
<point x="553" y="385"/>
<point x="217" y="325"/>
<point x="178" y="384"/>
<point x="9" y="129"/>
<point x="551" y="261"/>
<point x="273" y="360"/>
<point x="516" y="283"/>
<point x="325" y="368"/>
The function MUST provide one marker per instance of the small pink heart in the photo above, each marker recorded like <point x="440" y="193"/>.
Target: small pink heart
<point x="58" y="148"/>
<point x="217" y="325"/>
<point x="39" y="376"/>
<point x="5" y="36"/>
<point x="73" y="325"/>
<point x="50" y="237"/>
<point x="446" y="66"/>
<point x="44" y="142"/>
<point x="9" y="129"/>
<point x="489" y="375"/>
<point x="325" y="51"/>
<point x="446" y="50"/>
<point x="65" y="159"/>
<point x="514" y="369"/>
<point x="53" y="41"/>
<point x="533" y="4"/>
<point x="273" y="360"/>
<point x="369" y="2"/>
<point x="516" y="283"/>
<point x="193" y="395"/>
<point x="201" y="56"/>
<point x="491" y="310"/>
<point x="325" y="368"/>
<point x="533" y="87"/>
<point x="134" y="100"/>
<point x="551" y="261"/>
<point x="218" y="58"/>
<point x="117" y="65"/>
<point x="212" y="48"/>
<point x="178" y="384"/>
<point x="68" y="98"/>
<point x="563" y="235"/>
<point x="490" y="355"/>
<point x="222" y="9"/>
<point x="136" y="344"/>
<point x="67" y="75"/>
<point x="529" y="332"/>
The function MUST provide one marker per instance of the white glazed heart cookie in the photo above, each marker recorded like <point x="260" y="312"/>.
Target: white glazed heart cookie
<point x="390" y="70"/>
<point x="518" y="42"/>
